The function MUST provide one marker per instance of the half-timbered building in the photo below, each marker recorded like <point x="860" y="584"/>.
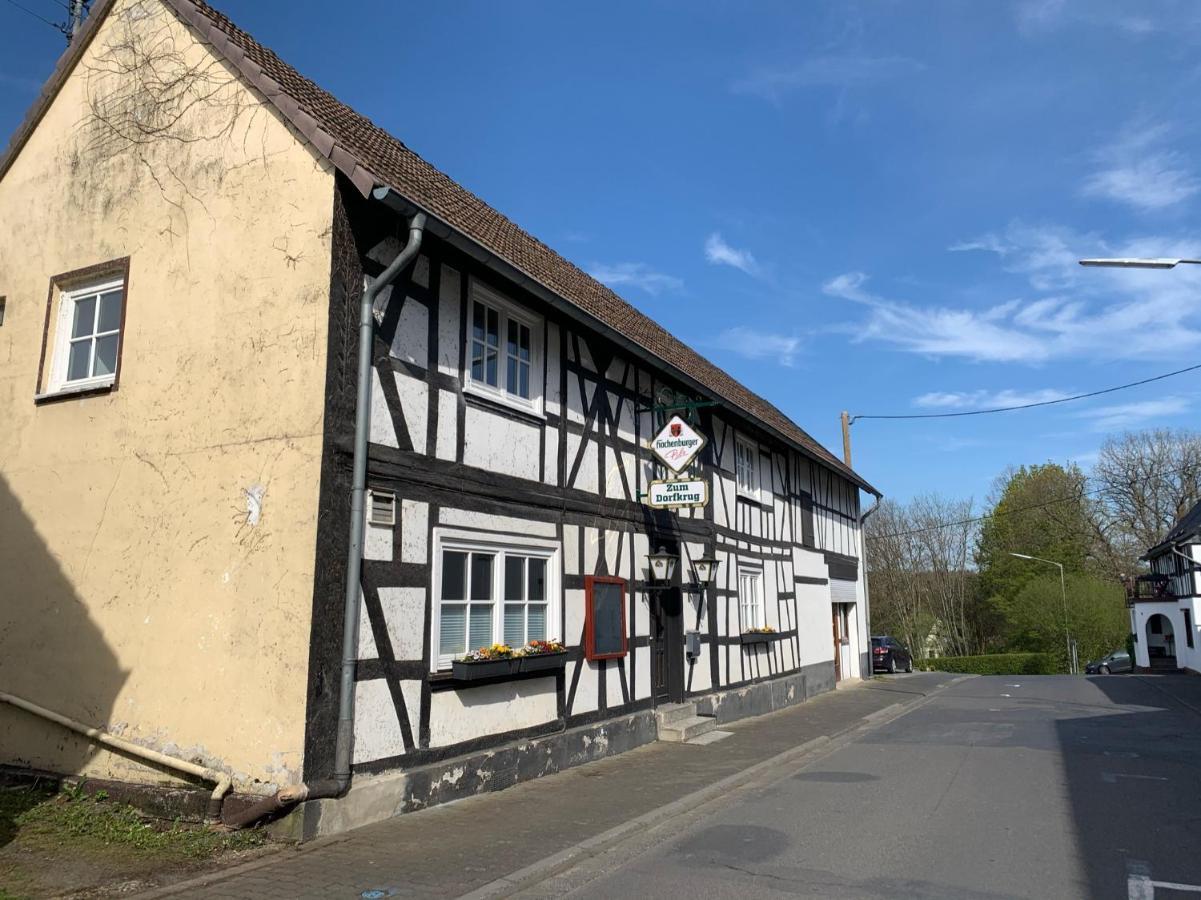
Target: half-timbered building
<point x="512" y="402"/>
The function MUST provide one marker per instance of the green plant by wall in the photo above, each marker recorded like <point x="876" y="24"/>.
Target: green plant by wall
<point x="997" y="664"/>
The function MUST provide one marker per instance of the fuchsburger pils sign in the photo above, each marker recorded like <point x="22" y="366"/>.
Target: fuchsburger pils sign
<point x="677" y="444"/>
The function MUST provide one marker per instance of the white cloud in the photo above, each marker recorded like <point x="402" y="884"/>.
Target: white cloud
<point x="1086" y="313"/>
<point x="759" y="344"/>
<point x="968" y="400"/>
<point x="1126" y="415"/>
<point x="1047" y="255"/>
<point x="1043" y="16"/>
<point x="1140" y="170"/>
<point x="635" y="274"/>
<point x="719" y="253"/>
<point x="825" y="71"/>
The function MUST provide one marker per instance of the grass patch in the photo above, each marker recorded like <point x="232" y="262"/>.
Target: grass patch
<point x="41" y="818"/>
<point x="55" y="842"/>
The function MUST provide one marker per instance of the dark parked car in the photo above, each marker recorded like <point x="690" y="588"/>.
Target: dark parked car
<point x="890" y="655"/>
<point x="1118" y="661"/>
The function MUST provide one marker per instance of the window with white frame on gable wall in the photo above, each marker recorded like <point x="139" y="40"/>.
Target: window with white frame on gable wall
<point x="86" y="336"/>
<point x="746" y="467"/>
<point x="750" y="597"/>
<point x="504" y="351"/>
<point x="492" y="591"/>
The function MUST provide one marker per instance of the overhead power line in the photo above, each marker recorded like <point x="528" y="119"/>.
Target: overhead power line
<point x="1010" y="512"/>
<point x="1001" y="409"/>
<point x="25" y="9"/>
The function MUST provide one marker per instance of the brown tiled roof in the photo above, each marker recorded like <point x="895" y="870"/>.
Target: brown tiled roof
<point x="371" y="157"/>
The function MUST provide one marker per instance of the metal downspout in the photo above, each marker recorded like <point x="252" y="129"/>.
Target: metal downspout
<point x="336" y="786"/>
<point x="354" y="559"/>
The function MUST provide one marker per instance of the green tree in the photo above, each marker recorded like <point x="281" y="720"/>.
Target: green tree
<point x="1039" y="510"/>
<point x="1096" y="617"/>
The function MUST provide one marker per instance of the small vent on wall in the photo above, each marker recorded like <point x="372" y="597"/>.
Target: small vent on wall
<point x="2" y="300"/>
<point x="381" y="508"/>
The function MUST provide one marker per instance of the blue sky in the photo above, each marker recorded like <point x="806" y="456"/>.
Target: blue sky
<point x="871" y="206"/>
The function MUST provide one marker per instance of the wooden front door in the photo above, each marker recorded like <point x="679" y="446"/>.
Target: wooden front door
<point x="667" y="646"/>
<point x="837" y="642"/>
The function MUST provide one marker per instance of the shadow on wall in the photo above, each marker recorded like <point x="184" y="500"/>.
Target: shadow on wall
<point x="51" y="652"/>
<point x="1131" y="782"/>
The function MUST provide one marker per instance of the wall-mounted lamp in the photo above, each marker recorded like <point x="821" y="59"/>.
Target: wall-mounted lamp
<point x="662" y="564"/>
<point x="704" y="568"/>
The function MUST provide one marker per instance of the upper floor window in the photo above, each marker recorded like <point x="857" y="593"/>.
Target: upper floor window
<point x="746" y="468"/>
<point x="86" y="344"/>
<point x="503" y="352"/>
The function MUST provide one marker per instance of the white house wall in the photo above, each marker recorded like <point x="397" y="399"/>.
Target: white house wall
<point x="570" y="473"/>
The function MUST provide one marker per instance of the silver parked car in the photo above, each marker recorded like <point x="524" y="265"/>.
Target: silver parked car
<point x="1118" y="661"/>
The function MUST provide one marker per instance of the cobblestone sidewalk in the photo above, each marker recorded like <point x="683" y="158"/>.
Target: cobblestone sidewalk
<point x="451" y="850"/>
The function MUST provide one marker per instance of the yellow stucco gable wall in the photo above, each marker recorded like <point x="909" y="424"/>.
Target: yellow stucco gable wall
<point x="157" y="543"/>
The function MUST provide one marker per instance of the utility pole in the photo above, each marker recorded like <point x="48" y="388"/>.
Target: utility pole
<point x="76" y="19"/>
<point x="846" y="438"/>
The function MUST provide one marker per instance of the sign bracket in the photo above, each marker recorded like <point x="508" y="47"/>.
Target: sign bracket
<point x="672" y="407"/>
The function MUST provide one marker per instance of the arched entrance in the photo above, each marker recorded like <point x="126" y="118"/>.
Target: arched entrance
<point x="1161" y="642"/>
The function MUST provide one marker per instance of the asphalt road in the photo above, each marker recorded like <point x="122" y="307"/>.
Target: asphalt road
<point x="1028" y="786"/>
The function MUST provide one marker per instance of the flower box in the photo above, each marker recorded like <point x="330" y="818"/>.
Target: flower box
<point x="488" y="668"/>
<point x="543" y="662"/>
<point x="759" y="637"/>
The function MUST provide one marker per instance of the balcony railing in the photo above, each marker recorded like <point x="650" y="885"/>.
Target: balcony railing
<point x="1149" y="587"/>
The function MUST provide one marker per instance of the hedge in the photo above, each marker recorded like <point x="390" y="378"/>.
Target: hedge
<point x="996" y="664"/>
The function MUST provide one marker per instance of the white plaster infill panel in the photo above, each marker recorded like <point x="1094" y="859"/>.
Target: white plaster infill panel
<point x="501" y="525"/>
<point x="448" y="322"/>
<point x="414" y="531"/>
<point x="376" y="728"/>
<point x="382" y="431"/>
<point x="414" y="402"/>
<point x="404" y="611"/>
<point x="501" y="444"/>
<point x="447" y="437"/>
<point x="412" y="333"/>
<point x="467" y="713"/>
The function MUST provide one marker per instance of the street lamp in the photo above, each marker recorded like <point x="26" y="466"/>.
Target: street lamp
<point x="1138" y="263"/>
<point x="1066" y="634"/>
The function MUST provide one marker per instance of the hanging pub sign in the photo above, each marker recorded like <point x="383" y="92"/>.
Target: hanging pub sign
<point x="677" y="445"/>
<point x="677" y="494"/>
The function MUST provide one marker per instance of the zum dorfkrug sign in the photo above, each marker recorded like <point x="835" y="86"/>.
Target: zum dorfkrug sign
<point x="676" y="446"/>
<point x="693" y="492"/>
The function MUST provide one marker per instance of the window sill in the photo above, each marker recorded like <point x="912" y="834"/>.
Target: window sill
<point x="74" y="391"/>
<point x="751" y="498"/>
<point x="491" y="402"/>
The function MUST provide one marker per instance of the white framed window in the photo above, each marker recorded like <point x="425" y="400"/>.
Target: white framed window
<point x="504" y="350"/>
<point x="492" y="590"/>
<point x="87" y="336"/>
<point x="746" y="467"/>
<point x="750" y="598"/>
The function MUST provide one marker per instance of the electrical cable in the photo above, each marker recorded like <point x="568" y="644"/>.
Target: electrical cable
<point x="1000" y="409"/>
<point x="26" y="9"/>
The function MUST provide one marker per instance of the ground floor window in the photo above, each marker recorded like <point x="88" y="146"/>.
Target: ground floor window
<point x="750" y="598"/>
<point x="491" y="592"/>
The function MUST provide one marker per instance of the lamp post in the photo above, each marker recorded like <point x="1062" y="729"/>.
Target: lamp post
<point x="1063" y="588"/>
